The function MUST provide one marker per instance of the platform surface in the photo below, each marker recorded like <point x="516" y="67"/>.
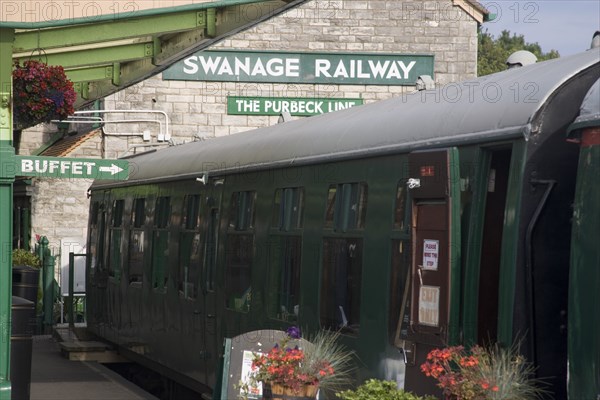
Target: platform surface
<point x="54" y="377"/>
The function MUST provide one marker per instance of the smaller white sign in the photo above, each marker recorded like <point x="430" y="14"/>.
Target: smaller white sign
<point x="429" y="305"/>
<point x="72" y="245"/>
<point x="431" y="251"/>
<point x="251" y="391"/>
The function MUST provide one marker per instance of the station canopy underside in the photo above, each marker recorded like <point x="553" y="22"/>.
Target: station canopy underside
<point x="107" y="53"/>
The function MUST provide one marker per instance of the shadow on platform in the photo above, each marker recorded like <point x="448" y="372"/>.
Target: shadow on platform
<point x="55" y="376"/>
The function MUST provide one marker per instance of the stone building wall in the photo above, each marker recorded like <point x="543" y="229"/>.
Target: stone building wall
<point x="198" y="109"/>
<point x="35" y="137"/>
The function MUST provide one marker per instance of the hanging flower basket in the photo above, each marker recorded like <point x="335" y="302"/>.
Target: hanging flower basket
<point x="41" y="93"/>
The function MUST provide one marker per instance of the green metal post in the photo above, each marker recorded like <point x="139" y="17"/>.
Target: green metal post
<point x="7" y="178"/>
<point x="71" y="314"/>
<point x="42" y="248"/>
<point x="26" y="228"/>
<point x="48" y="283"/>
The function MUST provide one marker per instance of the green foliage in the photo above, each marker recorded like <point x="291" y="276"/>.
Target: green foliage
<point x="514" y="376"/>
<point x="24" y="257"/>
<point x="375" y="389"/>
<point x="492" y="52"/>
<point x="325" y="346"/>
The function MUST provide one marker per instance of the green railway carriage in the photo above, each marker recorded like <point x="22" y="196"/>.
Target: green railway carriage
<point x="435" y="218"/>
<point x="584" y="274"/>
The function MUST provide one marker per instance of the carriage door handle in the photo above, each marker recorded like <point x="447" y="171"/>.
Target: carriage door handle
<point x="420" y="274"/>
<point x="408" y="351"/>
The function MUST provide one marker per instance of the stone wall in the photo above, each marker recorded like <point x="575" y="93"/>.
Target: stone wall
<point x="33" y="138"/>
<point x="198" y="110"/>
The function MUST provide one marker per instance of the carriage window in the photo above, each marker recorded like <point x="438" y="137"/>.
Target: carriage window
<point x="285" y="246"/>
<point x="346" y="206"/>
<point x="160" y="242"/>
<point x="329" y="212"/>
<point x="117" y="216"/>
<point x="116" y="230"/>
<point x="97" y="219"/>
<point x="341" y="284"/>
<point x="139" y="212"/>
<point x="283" y="296"/>
<point x="240" y="251"/>
<point x="399" y="291"/>
<point x="94" y="214"/>
<point x="136" y="241"/>
<point x="191" y="212"/>
<point x="242" y="211"/>
<point x="288" y="208"/>
<point x="210" y="258"/>
<point x="400" y="207"/>
<point x="190" y="249"/>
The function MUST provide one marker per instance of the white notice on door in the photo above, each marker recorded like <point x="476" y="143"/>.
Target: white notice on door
<point x="431" y="251"/>
<point x="429" y="305"/>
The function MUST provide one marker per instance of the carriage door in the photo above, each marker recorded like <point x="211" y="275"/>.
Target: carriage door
<point x="212" y="211"/>
<point x="96" y="273"/>
<point x="434" y="188"/>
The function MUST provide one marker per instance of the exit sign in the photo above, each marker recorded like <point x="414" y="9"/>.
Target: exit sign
<point x="61" y="167"/>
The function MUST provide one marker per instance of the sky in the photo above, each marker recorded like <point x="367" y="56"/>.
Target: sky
<point x="563" y="25"/>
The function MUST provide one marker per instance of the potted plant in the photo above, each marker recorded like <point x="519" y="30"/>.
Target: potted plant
<point x="25" y="273"/>
<point x="483" y="373"/>
<point x="24" y="257"/>
<point x="41" y="93"/>
<point x="299" y="368"/>
<point x="375" y="389"/>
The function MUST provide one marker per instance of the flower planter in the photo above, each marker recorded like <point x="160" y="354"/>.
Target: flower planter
<point x="296" y="369"/>
<point x="276" y="391"/>
<point x="25" y="282"/>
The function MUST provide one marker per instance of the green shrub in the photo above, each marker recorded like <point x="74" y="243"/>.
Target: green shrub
<point x="375" y="389"/>
<point x="24" y="257"/>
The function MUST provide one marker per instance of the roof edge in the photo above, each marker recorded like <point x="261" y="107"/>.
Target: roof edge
<point x="224" y="170"/>
<point x="472" y="7"/>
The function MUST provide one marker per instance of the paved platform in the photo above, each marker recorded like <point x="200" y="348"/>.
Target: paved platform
<point x="54" y="377"/>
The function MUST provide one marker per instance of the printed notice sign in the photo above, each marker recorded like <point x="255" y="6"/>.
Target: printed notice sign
<point x="431" y="251"/>
<point x="253" y="392"/>
<point x="429" y="305"/>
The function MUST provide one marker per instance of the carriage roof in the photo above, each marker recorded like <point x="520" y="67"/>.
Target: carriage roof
<point x="488" y="108"/>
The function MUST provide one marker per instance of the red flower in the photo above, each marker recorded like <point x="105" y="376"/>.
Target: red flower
<point x="287" y="366"/>
<point x="41" y="93"/>
<point x="455" y="370"/>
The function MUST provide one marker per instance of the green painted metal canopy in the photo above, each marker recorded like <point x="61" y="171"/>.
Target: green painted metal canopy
<point x="107" y="53"/>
